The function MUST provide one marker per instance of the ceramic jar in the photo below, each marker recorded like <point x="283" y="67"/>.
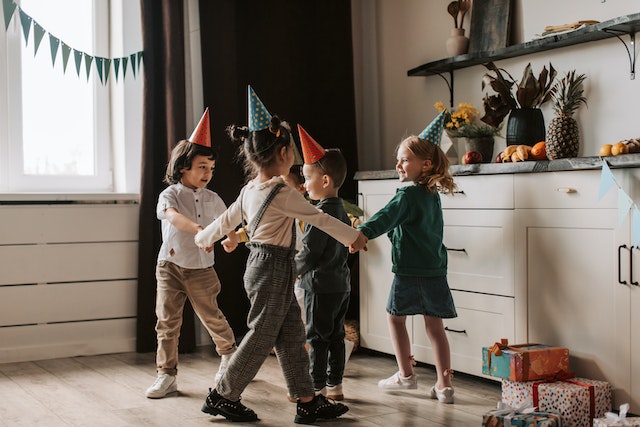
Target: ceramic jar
<point x="457" y="43"/>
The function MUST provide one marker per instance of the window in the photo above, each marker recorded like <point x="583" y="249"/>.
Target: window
<point x="65" y="130"/>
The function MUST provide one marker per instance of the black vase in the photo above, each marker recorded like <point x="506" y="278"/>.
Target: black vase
<point x="525" y="126"/>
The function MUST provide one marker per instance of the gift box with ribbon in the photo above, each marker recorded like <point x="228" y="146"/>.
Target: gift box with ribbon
<point x="521" y="416"/>
<point x="577" y="400"/>
<point x="524" y="362"/>
<point x="617" y="420"/>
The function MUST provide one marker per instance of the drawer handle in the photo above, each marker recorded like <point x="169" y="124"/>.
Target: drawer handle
<point x="634" y="283"/>
<point x="464" y="331"/>
<point x="567" y="190"/>
<point x="457" y="250"/>
<point x="458" y="192"/>
<point x="622" y="282"/>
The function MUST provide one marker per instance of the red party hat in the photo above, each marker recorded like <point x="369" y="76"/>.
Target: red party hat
<point x="202" y="133"/>
<point x="311" y="150"/>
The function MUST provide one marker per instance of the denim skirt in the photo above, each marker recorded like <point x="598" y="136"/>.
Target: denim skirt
<point x="428" y="296"/>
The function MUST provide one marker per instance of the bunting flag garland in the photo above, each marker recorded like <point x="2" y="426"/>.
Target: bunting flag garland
<point x="102" y="64"/>
<point x="625" y="203"/>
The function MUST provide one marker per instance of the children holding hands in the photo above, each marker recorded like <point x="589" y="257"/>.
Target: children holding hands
<point x="267" y="207"/>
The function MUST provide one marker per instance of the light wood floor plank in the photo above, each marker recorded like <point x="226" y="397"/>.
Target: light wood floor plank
<point x="108" y="390"/>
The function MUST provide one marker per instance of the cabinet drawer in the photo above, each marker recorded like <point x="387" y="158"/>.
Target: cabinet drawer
<point x="482" y="320"/>
<point x="480" y="249"/>
<point x="564" y="190"/>
<point x="481" y="192"/>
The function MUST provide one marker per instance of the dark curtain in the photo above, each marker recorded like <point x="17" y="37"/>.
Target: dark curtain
<point x="164" y="124"/>
<point x="298" y="57"/>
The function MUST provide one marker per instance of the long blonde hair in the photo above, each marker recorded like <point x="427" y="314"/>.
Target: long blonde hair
<point x="438" y="178"/>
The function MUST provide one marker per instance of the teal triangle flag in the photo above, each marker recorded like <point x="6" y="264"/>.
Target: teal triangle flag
<point x="140" y="55"/>
<point x="99" y="68"/>
<point x="88" y="59"/>
<point x="636" y="226"/>
<point x="107" y="65"/>
<point x="259" y="117"/>
<point x="77" y="55"/>
<point x="25" y="20"/>
<point x="624" y="204"/>
<point x="38" y="34"/>
<point x="433" y="131"/>
<point x="133" y="64"/>
<point x="606" y="180"/>
<point x="54" y="43"/>
<point x="116" y="67"/>
<point x="8" y="7"/>
<point x="66" y="51"/>
<point x="125" y="61"/>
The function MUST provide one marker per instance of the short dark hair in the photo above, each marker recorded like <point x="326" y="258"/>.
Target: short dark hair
<point x="181" y="157"/>
<point x="296" y="171"/>
<point x="334" y="164"/>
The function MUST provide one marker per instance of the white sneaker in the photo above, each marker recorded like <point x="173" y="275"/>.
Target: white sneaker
<point x="335" y="392"/>
<point x="445" y="395"/>
<point x="164" y="385"/>
<point x="398" y="382"/>
<point x="224" y="363"/>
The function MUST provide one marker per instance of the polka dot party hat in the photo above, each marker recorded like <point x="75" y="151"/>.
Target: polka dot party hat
<point x="259" y="117"/>
<point x="311" y="150"/>
<point x="202" y="133"/>
<point x="433" y="132"/>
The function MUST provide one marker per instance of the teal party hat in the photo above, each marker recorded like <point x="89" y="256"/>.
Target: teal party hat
<point x="433" y="132"/>
<point x="259" y="117"/>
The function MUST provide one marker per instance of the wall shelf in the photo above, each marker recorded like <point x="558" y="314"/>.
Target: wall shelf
<point x="617" y="27"/>
<point x="622" y="25"/>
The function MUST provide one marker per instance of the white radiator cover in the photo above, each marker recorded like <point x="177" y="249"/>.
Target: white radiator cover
<point x="68" y="279"/>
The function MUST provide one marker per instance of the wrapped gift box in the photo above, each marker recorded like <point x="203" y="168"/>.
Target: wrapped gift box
<point x="498" y="418"/>
<point x="627" y="422"/>
<point x="617" y="420"/>
<point x="577" y="400"/>
<point x="524" y="362"/>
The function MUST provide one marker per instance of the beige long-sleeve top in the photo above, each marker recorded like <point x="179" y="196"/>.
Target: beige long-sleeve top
<point x="275" y="225"/>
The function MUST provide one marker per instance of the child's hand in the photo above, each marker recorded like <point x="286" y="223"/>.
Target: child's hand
<point x="209" y="249"/>
<point x="229" y="245"/>
<point x="359" y="244"/>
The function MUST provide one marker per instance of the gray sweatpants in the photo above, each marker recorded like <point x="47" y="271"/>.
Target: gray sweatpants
<point x="274" y="320"/>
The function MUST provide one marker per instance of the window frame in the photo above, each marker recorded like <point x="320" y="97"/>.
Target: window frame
<point x="114" y="172"/>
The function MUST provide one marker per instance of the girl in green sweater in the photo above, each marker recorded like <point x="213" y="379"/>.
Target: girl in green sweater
<point x="413" y="221"/>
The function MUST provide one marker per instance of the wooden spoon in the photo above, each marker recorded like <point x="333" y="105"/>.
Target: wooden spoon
<point x="463" y="6"/>
<point x="453" y="10"/>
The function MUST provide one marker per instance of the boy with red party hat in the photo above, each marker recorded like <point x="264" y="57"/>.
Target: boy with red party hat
<point x="183" y="270"/>
<point x="323" y="270"/>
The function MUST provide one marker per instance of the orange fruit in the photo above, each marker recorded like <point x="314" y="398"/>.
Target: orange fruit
<point x="605" y="150"/>
<point x="539" y="151"/>
<point x="619" y="148"/>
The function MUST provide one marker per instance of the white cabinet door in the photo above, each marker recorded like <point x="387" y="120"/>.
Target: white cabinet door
<point x="568" y="267"/>
<point x="634" y="398"/>
<point x="375" y="273"/>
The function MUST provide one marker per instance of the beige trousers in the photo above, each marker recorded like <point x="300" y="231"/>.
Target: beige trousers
<point x="202" y="286"/>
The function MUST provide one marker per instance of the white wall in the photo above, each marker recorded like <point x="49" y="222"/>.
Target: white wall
<point x="391" y="37"/>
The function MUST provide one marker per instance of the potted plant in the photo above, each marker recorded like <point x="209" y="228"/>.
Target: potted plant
<point x="462" y="123"/>
<point x="526" y="123"/>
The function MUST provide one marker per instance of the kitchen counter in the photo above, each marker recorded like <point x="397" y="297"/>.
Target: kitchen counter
<point x="570" y="164"/>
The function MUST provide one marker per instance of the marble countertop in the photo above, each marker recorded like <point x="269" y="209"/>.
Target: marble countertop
<point x="570" y="164"/>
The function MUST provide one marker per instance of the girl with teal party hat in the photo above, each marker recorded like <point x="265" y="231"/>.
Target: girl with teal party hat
<point x="414" y="223"/>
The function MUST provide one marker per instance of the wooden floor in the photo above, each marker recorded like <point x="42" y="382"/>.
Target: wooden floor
<point x="108" y="390"/>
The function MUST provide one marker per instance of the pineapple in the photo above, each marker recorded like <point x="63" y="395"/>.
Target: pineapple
<point x="563" y="139"/>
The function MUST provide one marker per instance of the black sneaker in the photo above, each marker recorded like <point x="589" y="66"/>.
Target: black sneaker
<point x="215" y="404"/>
<point x="319" y="407"/>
